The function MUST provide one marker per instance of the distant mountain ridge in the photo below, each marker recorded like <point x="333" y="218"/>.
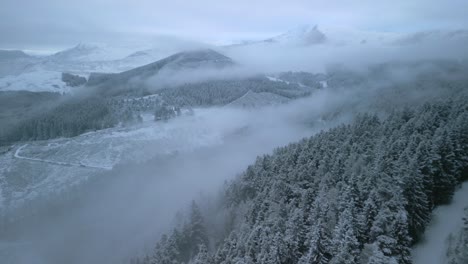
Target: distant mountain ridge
<point x="205" y="58"/>
<point x="13" y="62"/>
<point x="301" y="36"/>
<point x="304" y="35"/>
<point x="21" y="71"/>
<point x="310" y="35"/>
<point x="13" y="54"/>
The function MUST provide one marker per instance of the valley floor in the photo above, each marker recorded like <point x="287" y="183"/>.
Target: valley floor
<point x="149" y="161"/>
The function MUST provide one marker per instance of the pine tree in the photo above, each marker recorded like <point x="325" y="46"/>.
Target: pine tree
<point x="344" y="239"/>
<point x="203" y="256"/>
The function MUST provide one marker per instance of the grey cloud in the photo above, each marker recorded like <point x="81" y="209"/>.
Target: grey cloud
<point x="26" y="23"/>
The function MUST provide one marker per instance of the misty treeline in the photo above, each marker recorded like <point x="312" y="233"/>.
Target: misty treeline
<point x="72" y="115"/>
<point x="358" y="193"/>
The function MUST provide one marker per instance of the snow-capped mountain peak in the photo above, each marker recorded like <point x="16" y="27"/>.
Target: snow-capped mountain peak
<point x="92" y="52"/>
<point x="305" y="35"/>
<point x="302" y="35"/>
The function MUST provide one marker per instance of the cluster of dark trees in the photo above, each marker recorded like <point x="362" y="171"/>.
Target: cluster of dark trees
<point x="139" y="104"/>
<point x="17" y="105"/>
<point x="73" y="116"/>
<point x="358" y="193"/>
<point x="68" y="119"/>
<point x="73" y="80"/>
<point x="165" y="112"/>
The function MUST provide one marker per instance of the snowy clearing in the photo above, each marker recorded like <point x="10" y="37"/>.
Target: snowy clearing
<point x="18" y="156"/>
<point x="446" y="220"/>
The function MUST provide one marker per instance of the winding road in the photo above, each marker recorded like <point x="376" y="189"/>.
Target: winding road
<point x="81" y="165"/>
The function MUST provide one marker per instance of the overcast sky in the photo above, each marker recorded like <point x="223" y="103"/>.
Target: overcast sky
<point x="58" y="23"/>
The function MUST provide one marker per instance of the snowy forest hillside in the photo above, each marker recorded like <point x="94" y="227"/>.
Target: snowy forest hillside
<point x="358" y="193"/>
<point x="233" y="132"/>
<point x="113" y="99"/>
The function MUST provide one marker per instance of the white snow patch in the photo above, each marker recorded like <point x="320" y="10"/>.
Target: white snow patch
<point x="446" y="220"/>
<point x="324" y="84"/>
<point x="36" y="81"/>
<point x="274" y="79"/>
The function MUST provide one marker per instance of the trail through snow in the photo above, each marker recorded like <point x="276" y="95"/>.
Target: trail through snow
<point x="18" y="156"/>
<point x="446" y="219"/>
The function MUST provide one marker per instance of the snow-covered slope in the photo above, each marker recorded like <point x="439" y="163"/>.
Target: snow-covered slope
<point x="15" y="62"/>
<point x="446" y="220"/>
<point x="88" y="58"/>
<point x="19" y="71"/>
<point x="308" y="35"/>
<point x="35" y="81"/>
<point x="92" y="52"/>
<point x="12" y="54"/>
<point x="457" y="252"/>
<point x="188" y="60"/>
<point x="304" y="35"/>
<point x="117" y="57"/>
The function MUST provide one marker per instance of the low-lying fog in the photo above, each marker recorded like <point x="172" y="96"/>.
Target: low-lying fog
<point x="117" y="219"/>
<point x="319" y="57"/>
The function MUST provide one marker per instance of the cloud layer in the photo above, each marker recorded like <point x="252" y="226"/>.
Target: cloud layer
<point x="27" y="23"/>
